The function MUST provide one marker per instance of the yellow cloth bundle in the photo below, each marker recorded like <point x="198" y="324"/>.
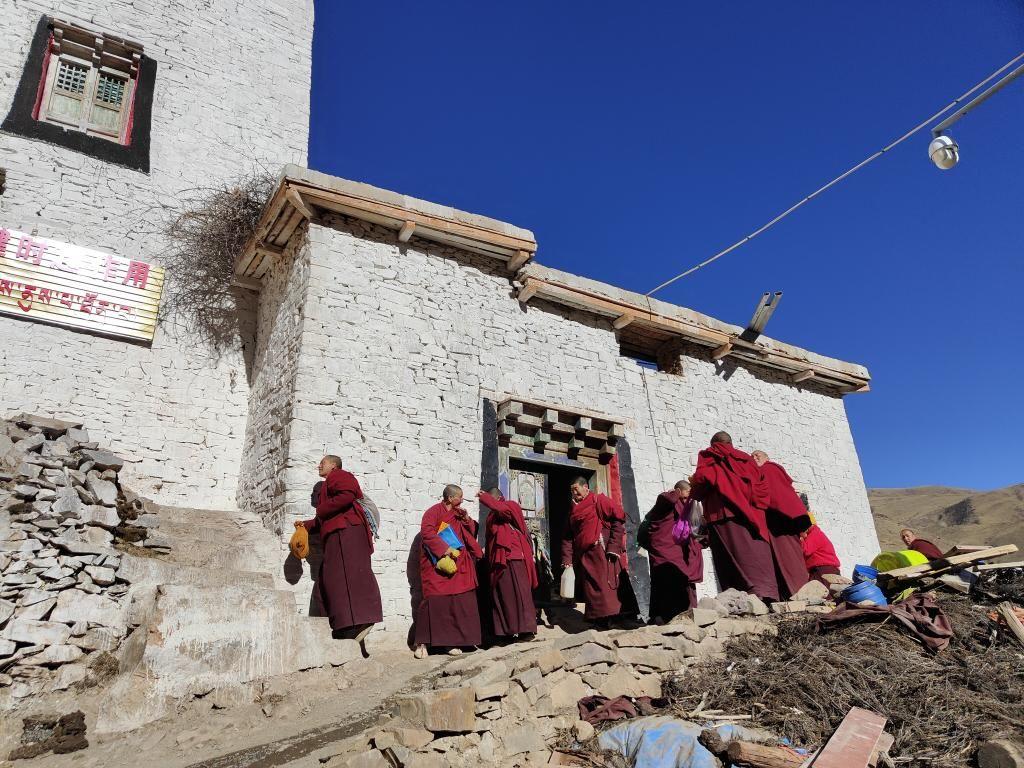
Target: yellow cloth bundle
<point x="890" y="561"/>
<point x="446" y="566"/>
<point x="299" y="545"/>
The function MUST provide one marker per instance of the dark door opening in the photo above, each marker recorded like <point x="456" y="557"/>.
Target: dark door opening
<point x="542" y="490"/>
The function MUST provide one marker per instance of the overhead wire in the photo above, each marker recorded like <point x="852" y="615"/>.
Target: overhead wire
<point x="839" y="178"/>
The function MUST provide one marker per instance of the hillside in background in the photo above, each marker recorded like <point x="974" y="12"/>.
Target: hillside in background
<point x="949" y="516"/>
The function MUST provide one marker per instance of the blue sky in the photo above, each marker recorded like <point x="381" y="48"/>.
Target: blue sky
<point x="637" y="139"/>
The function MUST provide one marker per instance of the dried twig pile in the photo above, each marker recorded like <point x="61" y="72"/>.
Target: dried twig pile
<point x="801" y="684"/>
<point x="205" y="236"/>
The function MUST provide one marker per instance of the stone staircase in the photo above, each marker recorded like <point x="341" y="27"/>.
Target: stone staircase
<point x="211" y="618"/>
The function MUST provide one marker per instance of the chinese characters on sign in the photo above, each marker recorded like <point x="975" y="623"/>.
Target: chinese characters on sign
<point x="55" y="282"/>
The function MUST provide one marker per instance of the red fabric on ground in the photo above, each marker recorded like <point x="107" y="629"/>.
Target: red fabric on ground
<point x="448" y="621"/>
<point x="512" y="601"/>
<point x="346" y="588"/>
<point x="464" y="579"/>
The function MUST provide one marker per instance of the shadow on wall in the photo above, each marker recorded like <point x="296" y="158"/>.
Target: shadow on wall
<point x="293" y="571"/>
<point x="412" y="573"/>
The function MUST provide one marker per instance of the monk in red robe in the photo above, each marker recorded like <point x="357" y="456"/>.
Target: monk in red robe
<point x="923" y="546"/>
<point x="513" y="572"/>
<point x="448" y="616"/>
<point x="728" y="483"/>
<point x="596" y="548"/>
<point x="786" y="517"/>
<point x="676" y="566"/>
<point x="819" y="555"/>
<point x="346" y="588"/>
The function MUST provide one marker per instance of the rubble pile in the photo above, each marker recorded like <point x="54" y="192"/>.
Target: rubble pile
<point x="507" y="706"/>
<point x="62" y="509"/>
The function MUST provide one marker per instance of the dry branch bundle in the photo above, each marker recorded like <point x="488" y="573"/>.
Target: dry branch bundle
<point x="205" y="236"/>
<point x="801" y="684"/>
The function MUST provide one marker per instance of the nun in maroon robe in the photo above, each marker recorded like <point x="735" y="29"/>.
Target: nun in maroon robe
<point x="596" y="548"/>
<point x="448" y="616"/>
<point x="819" y="554"/>
<point x="513" y="572"/>
<point x="346" y="587"/>
<point x="727" y="482"/>
<point x="676" y="568"/>
<point x="786" y="516"/>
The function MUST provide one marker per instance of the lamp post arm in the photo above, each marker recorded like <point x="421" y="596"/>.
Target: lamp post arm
<point x="983" y="96"/>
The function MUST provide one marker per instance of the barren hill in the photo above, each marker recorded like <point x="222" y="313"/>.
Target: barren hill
<point x="950" y="516"/>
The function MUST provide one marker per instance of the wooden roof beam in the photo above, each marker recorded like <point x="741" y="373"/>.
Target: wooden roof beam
<point x="796" y="378"/>
<point x="528" y="291"/>
<point x="622" y="321"/>
<point x="517" y="261"/>
<point x="299" y="204"/>
<point x="406" y="231"/>
<point x="722" y="351"/>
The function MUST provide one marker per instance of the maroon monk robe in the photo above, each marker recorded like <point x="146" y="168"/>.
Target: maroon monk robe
<point x="926" y="548"/>
<point x="786" y="517"/>
<point x="346" y="587"/>
<point x="729" y="485"/>
<point x="448" y="615"/>
<point x="597" y="526"/>
<point x="819" y="555"/>
<point x="676" y="569"/>
<point x="513" y="572"/>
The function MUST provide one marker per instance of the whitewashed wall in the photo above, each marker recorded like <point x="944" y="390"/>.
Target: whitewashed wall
<point x="177" y="408"/>
<point x="400" y="344"/>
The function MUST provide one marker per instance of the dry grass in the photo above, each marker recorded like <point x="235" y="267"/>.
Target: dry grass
<point x="801" y="684"/>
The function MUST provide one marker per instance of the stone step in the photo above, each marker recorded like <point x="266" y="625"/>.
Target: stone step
<point x="195" y="640"/>
<point x="157" y="570"/>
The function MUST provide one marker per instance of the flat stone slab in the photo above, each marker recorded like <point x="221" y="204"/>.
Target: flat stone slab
<point x="50" y="427"/>
<point x="104" y="459"/>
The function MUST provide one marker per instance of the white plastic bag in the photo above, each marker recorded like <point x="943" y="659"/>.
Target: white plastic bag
<point x="567" y="589"/>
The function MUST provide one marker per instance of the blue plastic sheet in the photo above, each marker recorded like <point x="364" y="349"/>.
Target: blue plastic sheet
<point x="660" y="741"/>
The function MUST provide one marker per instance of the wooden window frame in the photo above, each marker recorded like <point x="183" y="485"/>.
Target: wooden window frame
<point x="100" y="54"/>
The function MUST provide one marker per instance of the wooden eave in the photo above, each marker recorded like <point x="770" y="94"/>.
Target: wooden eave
<point x="297" y="200"/>
<point x="641" y="320"/>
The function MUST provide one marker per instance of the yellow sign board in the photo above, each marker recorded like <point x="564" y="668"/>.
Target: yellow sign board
<point x="54" y="282"/>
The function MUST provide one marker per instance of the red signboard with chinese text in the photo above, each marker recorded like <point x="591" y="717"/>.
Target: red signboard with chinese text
<point x="56" y="282"/>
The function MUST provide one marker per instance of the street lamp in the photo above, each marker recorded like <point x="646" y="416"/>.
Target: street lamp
<point x="943" y="150"/>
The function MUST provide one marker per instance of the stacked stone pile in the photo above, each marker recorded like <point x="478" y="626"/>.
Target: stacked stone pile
<point x="506" y="706"/>
<point x="62" y="508"/>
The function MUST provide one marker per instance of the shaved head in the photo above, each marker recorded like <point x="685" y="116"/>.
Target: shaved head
<point x="496" y="493"/>
<point x="682" y="485"/>
<point x="759" y="457"/>
<point x="580" y="489"/>
<point x="721" y="437"/>
<point x="452" y="492"/>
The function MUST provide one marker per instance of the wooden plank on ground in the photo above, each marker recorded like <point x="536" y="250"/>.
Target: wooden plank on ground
<point x="999" y="566"/>
<point x="935" y="566"/>
<point x="1006" y="611"/>
<point x="854" y="741"/>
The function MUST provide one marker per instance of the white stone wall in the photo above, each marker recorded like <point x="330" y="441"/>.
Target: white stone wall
<point x="231" y="95"/>
<point x="401" y="343"/>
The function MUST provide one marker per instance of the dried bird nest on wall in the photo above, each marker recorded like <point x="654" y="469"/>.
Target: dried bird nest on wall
<point x="205" y="236"/>
<point x="801" y="684"/>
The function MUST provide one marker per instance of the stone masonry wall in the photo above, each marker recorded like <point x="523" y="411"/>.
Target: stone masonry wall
<point x="271" y="390"/>
<point x="400" y="347"/>
<point x="176" y="409"/>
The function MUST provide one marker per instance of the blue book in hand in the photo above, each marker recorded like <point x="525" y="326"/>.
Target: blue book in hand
<point x="449" y="537"/>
